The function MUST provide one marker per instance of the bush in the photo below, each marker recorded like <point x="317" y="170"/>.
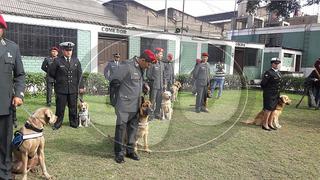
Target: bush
<point x="35" y="84"/>
<point x="292" y="84"/>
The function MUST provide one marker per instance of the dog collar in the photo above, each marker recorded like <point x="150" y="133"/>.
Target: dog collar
<point x="32" y="136"/>
<point x="29" y="126"/>
<point x="143" y="124"/>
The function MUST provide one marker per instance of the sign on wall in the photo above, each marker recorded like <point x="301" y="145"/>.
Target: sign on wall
<point x="113" y="30"/>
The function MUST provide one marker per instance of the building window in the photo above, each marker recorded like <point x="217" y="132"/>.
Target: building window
<point x="150" y="43"/>
<point x="37" y="40"/>
<point x="216" y="53"/>
<point x="250" y="57"/>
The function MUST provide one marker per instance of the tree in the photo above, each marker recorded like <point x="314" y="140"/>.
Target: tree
<point x="283" y="8"/>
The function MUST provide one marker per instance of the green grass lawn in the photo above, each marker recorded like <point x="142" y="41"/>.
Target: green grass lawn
<point x="211" y="145"/>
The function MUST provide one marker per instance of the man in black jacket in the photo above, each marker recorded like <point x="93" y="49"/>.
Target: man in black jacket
<point x="67" y="72"/>
<point x="12" y="85"/>
<point x="270" y="85"/>
<point x="45" y="66"/>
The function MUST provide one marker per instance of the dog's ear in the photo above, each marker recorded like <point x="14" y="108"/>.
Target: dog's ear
<point x="48" y="114"/>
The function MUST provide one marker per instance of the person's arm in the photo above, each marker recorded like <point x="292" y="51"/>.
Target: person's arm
<point x="53" y="68"/>
<point x="44" y="66"/>
<point x="106" y="71"/>
<point x="19" y="80"/>
<point x="195" y="71"/>
<point x="265" y="79"/>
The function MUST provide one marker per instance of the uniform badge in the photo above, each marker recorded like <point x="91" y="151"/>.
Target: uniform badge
<point x="9" y="55"/>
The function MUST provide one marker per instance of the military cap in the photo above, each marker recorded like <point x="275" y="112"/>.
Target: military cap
<point x="149" y="56"/>
<point x="54" y="48"/>
<point x="3" y="22"/>
<point x="67" y="45"/>
<point x="116" y="54"/>
<point x="205" y="54"/>
<point x="275" y="59"/>
<point x="158" y="49"/>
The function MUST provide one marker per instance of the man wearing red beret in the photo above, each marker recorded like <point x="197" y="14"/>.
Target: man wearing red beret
<point x="45" y="67"/>
<point x="12" y="85"/>
<point x="155" y="77"/>
<point x="130" y="79"/>
<point x="168" y="72"/>
<point x="201" y="74"/>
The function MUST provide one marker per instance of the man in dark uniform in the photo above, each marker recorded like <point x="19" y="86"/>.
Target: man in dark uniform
<point x="67" y="72"/>
<point x="45" y="66"/>
<point x="12" y="85"/>
<point x="312" y="84"/>
<point x="168" y="72"/>
<point x="155" y="77"/>
<point x="130" y="76"/>
<point x="270" y="85"/>
<point x="201" y="74"/>
<point x="112" y="66"/>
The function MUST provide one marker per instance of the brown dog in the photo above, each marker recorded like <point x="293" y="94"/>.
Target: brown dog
<point x="175" y="89"/>
<point x="143" y="127"/>
<point x="31" y="152"/>
<point x="284" y="100"/>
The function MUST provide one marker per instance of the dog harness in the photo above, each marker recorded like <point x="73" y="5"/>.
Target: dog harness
<point x="19" y="138"/>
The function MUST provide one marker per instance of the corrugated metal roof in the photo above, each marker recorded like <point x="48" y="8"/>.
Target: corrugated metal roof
<point x="85" y="11"/>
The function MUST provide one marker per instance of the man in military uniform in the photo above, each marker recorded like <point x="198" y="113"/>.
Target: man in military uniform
<point x="112" y="66"/>
<point x="45" y="66"/>
<point x="155" y="77"/>
<point x="67" y="72"/>
<point x="130" y="77"/>
<point x="270" y="85"/>
<point x="12" y="85"/>
<point x="201" y="74"/>
<point x="168" y="72"/>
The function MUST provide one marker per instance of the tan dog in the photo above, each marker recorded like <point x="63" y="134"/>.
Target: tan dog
<point x="143" y="127"/>
<point x="83" y="116"/>
<point x="284" y="100"/>
<point x="31" y="152"/>
<point x="166" y="106"/>
<point x="175" y="89"/>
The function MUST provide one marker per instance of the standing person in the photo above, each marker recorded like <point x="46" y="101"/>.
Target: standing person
<point x="168" y="72"/>
<point x="270" y="85"/>
<point x="218" y="79"/>
<point x="313" y="86"/>
<point x="12" y="85"/>
<point x="67" y="72"/>
<point x="194" y="88"/>
<point x="201" y="74"/>
<point x="45" y="66"/>
<point x="155" y="77"/>
<point x="112" y="66"/>
<point x="130" y="78"/>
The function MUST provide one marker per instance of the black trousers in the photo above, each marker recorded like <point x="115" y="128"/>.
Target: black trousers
<point x="61" y="101"/>
<point x="50" y="86"/>
<point x="6" y="131"/>
<point x="126" y="129"/>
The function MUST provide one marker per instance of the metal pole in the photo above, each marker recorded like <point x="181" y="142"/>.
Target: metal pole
<point x="182" y="17"/>
<point x="181" y="37"/>
<point x="166" y="17"/>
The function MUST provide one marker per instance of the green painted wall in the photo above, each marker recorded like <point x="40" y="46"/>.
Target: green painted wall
<point x="32" y="63"/>
<point x="246" y="38"/>
<point x="204" y="48"/>
<point x="84" y="49"/>
<point x="134" y="46"/>
<point x="266" y="60"/>
<point x="188" y="56"/>
<point x="251" y="72"/>
<point x="228" y="57"/>
<point x="172" y="48"/>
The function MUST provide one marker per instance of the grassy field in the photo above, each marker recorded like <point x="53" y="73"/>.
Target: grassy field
<point x="211" y="145"/>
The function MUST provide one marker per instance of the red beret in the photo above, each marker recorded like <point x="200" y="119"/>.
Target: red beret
<point x="54" y="48"/>
<point x="205" y="54"/>
<point x="198" y="61"/>
<point x="157" y="50"/>
<point x="149" y="55"/>
<point x="170" y="56"/>
<point x="2" y="22"/>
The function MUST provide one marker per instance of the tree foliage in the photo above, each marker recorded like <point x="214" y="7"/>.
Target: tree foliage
<point x="312" y="2"/>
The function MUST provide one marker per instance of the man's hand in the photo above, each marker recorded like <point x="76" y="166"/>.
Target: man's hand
<point x="82" y="90"/>
<point x="16" y="101"/>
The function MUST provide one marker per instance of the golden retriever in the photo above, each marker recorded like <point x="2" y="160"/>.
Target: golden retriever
<point x="83" y="116"/>
<point x="31" y="152"/>
<point x="284" y="100"/>
<point x="166" y="106"/>
<point x="175" y="89"/>
<point x="143" y="126"/>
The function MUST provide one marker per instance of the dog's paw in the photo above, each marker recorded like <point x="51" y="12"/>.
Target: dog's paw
<point x="47" y="176"/>
<point x="147" y="150"/>
<point x="279" y="126"/>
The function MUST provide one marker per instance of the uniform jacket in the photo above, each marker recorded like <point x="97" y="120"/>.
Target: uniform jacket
<point x="111" y="67"/>
<point x="68" y="76"/>
<point x="45" y="67"/>
<point x="155" y="75"/>
<point x="131" y="79"/>
<point x="12" y="75"/>
<point x="169" y="71"/>
<point x="271" y="81"/>
<point x="310" y="81"/>
<point x="201" y="74"/>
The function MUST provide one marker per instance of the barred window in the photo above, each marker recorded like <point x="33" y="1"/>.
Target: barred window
<point x="37" y="40"/>
<point x="150" y="43"/>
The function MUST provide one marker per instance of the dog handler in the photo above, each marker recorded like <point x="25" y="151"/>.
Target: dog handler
<point x="12" y="85"/>
<point x="270" y="85"/>
<point x="130" y="77"/>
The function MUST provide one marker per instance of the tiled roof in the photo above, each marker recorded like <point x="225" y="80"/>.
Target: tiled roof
<point x="85" y="11"/>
